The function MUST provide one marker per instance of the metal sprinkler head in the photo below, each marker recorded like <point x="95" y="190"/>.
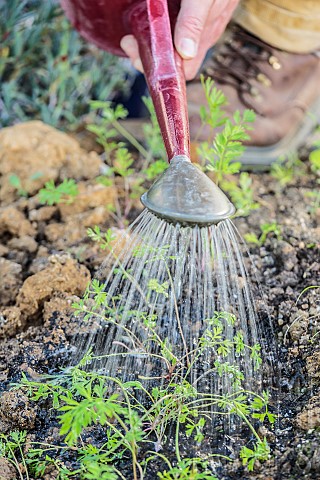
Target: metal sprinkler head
<point x="184" y="194"/>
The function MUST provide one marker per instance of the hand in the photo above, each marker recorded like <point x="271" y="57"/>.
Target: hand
<point x="199" y="25"/>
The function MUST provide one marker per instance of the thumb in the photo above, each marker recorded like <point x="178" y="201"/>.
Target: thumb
<point x="190" y="25"/>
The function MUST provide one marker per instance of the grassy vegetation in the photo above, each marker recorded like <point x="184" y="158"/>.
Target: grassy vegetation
<point x="47" y="71"/>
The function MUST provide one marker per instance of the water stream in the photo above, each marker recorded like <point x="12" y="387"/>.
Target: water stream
<point x="178" y="299"/>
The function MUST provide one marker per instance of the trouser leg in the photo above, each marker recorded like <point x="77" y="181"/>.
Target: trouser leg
<point x="290" y="25"/>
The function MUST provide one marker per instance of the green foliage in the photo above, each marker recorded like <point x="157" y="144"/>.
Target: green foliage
<point x="228" y="144"/>
<point x="63" y="193"/>
<point x="12" y="442"/>
<point x="86" y="399"/>
<point x="122" y="162"/>
<point x="38" y="457"/>
<point x="266" y="229"/>
<point x="221" y="155"/>
<point x="242" y="195"/>
<point x="214" y="115"/>
<point x="11" y="447"/>
<point x="314" y="196"/>
<point x="83" y="399"/>
<point x="314" y="158"/>
<point x="103" y="239"/>
<point x="100" y="471"/>
<point x="260" y="451"/>
<point x="15" y="182"/>
<point x="159" y="288"/>
<point x="47" y="71"/>
<point x="155" y="169"/>
<point x="260" y="405"/>
<point x="92" y="409"/>
<point x="188" y="469"/>
<point x="107" y="127"/>
<point x="152" y="134"/>
<point x="177" y="400"/>
<point x="288" y="168"/>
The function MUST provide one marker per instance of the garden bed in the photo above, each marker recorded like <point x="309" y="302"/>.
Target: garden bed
<point x="47" y="259"/>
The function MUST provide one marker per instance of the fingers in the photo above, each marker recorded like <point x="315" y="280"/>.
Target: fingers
<point x="192" y="66"/>
<point x="130" y="47"/>
<point x="216" y="14"/>
<point x="199" y="25"/>
<point x="190" y="25"/>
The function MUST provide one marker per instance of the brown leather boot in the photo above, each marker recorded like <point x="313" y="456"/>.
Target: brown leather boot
<point x="282" y="88"/>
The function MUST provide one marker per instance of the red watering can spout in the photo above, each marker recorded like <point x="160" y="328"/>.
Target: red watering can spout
<point x="164" y="73"/>
<point x="105" y="21"/>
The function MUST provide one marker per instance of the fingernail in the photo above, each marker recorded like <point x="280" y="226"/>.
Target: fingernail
<point x="188" y="48"/>
<point x="138" y="65"/>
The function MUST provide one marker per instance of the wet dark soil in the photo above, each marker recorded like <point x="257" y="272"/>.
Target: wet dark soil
<point x="46" y="260"/>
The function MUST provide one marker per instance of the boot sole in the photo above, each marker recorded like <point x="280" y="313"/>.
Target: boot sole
<point x="260" y="158"/>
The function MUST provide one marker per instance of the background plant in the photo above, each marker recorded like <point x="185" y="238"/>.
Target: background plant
<point x="222" y="154"/>
<point x="266" y="229"/>
<point x="241" y="193"/>
<point x="134" y="168"/>
<point x="314" y="195"/>
<point x="287" y="169"/>
<point x="227" y="146"/>
<point x="53" y="194"/>
<point x="47" y="71"/>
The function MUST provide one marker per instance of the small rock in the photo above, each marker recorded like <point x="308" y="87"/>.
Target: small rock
<point x="63" y="274"/>
<point x="304" y="306"/>
<point x="25" y="243"/>
<point x="14" y="222"/>
<point x="38" y="264"/>
<point x="268" y="261"/>
<point x="310" y="416"/>
<point x="97" y="216"/>
<point x="89" y="197"/>
<point x="63" y="235"/>
<point x="315" y="461"/>
<point x="7" y="470"/>
<point x="287" y="254"/>
<point x="299" y="325"/>
<point x="15" y="408"/>
<point x="3" y="250"/>
<point x="313" y="366"/>
<point x="11" y="280"/>
<point x="10" y="321"/>
<point x="288" y="279"/>
<point x="43" y="214"/>
<point x="61" y="303"/>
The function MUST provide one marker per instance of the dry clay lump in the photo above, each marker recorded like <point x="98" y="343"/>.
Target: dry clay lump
<point x="7" y="470"/>
<point x="36" y="153"/>
<point x="309" y="418"/>
<point x="63" y="274"/>
<point x="11" y="279"/>
<point x="15" y="408"/>
<point x="14" y="222"/>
